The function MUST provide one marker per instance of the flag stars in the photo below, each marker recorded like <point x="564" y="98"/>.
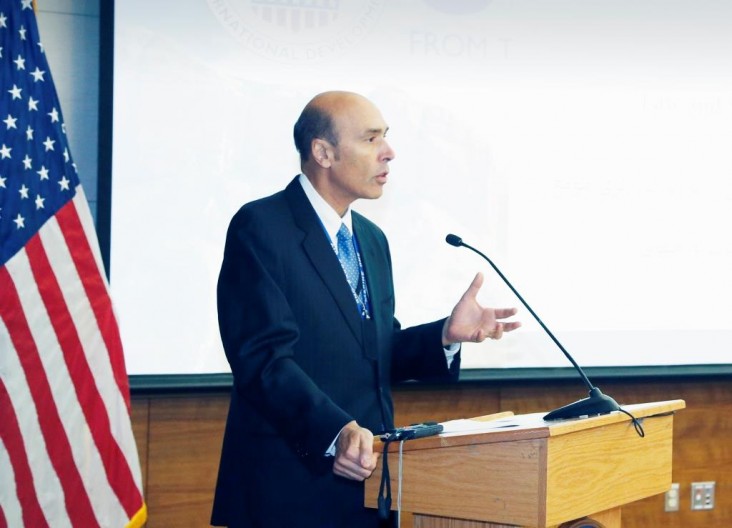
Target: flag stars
<point x="25" y="198"/>
<point x="15" y="92"/>
<point x="38" y="74"/>
<point x="10" y="122"/>
<point x="43" y="173"/>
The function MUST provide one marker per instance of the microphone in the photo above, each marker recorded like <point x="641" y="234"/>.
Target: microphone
<point x="597" y="402"/>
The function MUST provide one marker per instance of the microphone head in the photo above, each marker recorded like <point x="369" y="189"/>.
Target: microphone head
<point x="454" y="240"/>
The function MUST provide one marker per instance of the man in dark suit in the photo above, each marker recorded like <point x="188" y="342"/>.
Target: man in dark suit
<point x="313" y="355"/>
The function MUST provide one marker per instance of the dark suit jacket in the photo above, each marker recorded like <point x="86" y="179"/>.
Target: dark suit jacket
<point x="305" y="363"/>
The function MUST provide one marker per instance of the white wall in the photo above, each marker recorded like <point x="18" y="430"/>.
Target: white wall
<point x="70" y="34"/>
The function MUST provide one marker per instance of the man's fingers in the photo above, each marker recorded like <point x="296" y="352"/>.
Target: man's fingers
<point x="355" y="458"/>
<point x="356" y="470"/>
<point x="368" y="461"/>
<point x="504" y="313"/>
<point x="474" y="288"/>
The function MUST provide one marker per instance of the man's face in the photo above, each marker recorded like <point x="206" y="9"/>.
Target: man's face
<point x="360" y="163"/>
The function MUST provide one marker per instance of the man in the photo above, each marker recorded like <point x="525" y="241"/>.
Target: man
<point x="312" y="342"/>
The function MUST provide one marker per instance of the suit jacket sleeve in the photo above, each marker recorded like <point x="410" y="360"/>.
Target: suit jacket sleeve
<point x="259" y="332"/>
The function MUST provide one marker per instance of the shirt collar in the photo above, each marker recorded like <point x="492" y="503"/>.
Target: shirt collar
<point x="328" y="216"/>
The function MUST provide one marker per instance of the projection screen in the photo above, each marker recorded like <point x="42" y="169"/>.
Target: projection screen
<point x="584" y="146"/>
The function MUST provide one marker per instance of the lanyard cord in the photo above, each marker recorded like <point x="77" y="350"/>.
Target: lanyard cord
<point x="384" y="500"/>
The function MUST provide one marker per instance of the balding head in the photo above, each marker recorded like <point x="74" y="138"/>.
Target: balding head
<point x="319" y="118"/>
<point x="341" y="137"/>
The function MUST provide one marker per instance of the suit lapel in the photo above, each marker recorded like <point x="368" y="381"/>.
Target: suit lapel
<point x="322" y="256"/>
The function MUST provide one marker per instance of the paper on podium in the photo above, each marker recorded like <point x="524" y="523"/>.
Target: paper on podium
<point x="475" y="426"/>
<point x="491" y="422"/>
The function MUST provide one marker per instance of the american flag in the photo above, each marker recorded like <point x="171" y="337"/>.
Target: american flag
<point x="67" y="453"/>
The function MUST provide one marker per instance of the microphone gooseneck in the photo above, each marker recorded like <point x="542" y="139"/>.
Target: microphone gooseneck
<point x="597" y="402"/>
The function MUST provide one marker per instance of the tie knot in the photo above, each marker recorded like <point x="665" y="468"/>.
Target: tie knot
<point x="344" y="233"/>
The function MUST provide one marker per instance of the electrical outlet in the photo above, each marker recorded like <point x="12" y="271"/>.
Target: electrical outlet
<point x="672" y="498"/>
<point x="702" y="495"/>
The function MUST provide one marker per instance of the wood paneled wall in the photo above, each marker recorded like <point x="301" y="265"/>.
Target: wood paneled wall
<point x="179" y="440"/>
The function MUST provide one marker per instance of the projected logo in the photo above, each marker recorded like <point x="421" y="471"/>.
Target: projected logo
<point x="458" y="7"/>
<point x="297" y="30"/>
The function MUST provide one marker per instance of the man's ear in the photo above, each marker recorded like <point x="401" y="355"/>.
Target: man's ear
<point x="322" y="152"/>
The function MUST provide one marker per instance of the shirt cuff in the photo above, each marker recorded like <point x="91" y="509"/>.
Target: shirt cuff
<point x="331" y="451"/>
<point x="450" y="351"/>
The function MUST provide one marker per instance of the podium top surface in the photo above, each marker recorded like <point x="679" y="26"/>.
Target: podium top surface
<point x="507" y="427"/>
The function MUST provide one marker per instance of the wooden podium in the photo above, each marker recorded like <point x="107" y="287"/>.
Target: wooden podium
<point x="518" y="470"/>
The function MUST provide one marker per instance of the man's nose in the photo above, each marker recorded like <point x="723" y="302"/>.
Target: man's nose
<point x="388" y="153"/>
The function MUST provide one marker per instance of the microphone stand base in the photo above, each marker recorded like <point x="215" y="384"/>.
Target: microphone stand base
<point x="596" y="404"/>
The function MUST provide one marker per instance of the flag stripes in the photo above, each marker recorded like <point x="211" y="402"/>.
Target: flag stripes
<point x="56" y="441"/>
<point x="24" y="510"/>
<point x="61" y="371"/>
<point x="75" y="294"/>
<point x="88" y="267"/>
